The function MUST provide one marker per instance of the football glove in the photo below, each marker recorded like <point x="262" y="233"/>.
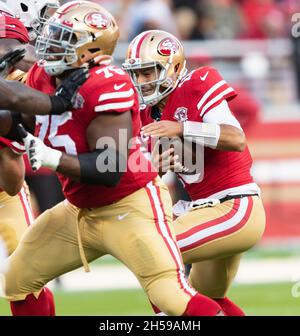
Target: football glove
<point x="66" y="92"/>
<point x="9" y="60"/>
<point x="38" y="153"/>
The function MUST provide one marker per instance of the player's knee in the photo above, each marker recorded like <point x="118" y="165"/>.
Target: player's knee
<point x="212" y="289"/>
<point x="167" y="294"/>
<point x="18" y="281"/>
<point x="8" y="286"/>
<point x="171" y="305"/>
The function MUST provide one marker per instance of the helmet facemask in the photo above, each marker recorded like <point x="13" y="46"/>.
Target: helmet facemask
<point x="33" y="13"/>
<point x="56" y="47"/>
<point x="75" y="36"/>
<point x="164" y="84"/>
<point x="44" y="15"/>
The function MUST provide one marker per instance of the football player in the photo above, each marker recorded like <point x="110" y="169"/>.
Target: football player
<point x="32" y="13"/>
<point x="15" y="210"/>
<point x="226" y="216"/>
<point x="16" y="56"/>
<point x="112" y="206"/>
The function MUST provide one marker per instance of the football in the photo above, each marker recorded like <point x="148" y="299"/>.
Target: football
<point x="189" y="154"/>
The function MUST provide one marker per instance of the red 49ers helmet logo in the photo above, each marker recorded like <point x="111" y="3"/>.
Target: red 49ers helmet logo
<point x="167" y="46"/>
<point x="97" y="20"/>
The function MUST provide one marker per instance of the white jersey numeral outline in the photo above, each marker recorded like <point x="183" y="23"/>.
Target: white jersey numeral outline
<point x="54" y="122"/>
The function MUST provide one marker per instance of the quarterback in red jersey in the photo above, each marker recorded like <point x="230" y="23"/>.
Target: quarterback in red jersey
<point x="112" y="207"/>
<point x="225" y="216"/>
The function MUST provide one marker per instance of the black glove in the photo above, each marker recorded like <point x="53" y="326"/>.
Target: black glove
<point x="65" y="95"/>
<point x="15" y="119"/>
<point x="9" y="60"/>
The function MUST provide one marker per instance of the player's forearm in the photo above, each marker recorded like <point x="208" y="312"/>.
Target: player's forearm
<point x="221" y="137"/>
<point x="20" y="98"/>
<point x="231" y="139"/>
<point x="98" y="167"/>
<point x="69" y="166"/>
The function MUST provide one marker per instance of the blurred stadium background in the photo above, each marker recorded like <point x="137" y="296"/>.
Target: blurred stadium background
<point x="251" y="44"/>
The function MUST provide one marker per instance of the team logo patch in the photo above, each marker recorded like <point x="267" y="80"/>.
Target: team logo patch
<point x="134" y="61"/>
<point x="78" y="101"/>
<point x="97" y="20"/>
<point x="181" y="114"/>
<point x="167" y="46"/>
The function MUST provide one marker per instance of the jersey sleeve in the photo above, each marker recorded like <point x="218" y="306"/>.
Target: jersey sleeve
<point x="209" y="89"/>
<point x="221" y="115"/>
<point x="38" y="79"/>
<point x="112" y="91"/>
<point x="15" y="146"/>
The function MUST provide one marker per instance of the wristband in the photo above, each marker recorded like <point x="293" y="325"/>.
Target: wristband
<point x="202" y="133"/>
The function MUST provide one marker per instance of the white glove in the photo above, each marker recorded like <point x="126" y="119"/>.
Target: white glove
<point x="38" y="153"/>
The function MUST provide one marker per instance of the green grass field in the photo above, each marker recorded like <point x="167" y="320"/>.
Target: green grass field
<point x="268" y="299"/>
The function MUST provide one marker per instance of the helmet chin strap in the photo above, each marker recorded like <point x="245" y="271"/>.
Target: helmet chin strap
<point x="103" y="59"/>
<point x="32" y="34"/>
<point x="54" y="71"/>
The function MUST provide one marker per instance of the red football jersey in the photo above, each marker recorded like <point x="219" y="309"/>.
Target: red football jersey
<point x="196" y="95"/>
<point x="108" y="89"/>
<point x="15" y="146"/>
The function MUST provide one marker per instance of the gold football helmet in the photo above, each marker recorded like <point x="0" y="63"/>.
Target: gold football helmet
<point x="78" y="32"/>
<point x="162" y="52"/>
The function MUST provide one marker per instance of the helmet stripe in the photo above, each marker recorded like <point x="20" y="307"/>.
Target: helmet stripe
<point x="67" y="8"/>
<point x="140" y="44"/>
<point x="136" y="45"/>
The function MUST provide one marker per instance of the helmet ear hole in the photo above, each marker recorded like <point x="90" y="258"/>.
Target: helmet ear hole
<point x="24" y="7"/>
<point x="176" y="67"/>
<point x="94" y="50"/>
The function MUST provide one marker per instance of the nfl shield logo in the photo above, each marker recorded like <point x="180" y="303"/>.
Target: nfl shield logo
<point x="78" y="101"/>
<point x="181" y="114"/>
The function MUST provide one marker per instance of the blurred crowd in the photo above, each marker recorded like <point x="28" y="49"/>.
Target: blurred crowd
<point x="205" y="19"/>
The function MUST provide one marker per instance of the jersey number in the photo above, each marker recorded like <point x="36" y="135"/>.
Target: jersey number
<point x="51" y="124"/>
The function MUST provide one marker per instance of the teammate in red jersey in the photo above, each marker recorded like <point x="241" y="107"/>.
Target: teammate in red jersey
<point x="15" y="210"/>
<point x="125" y="211"/>
<point x="17" y="56"/>
<point x="226" y="215"/>
<point x="32" y="13"/>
